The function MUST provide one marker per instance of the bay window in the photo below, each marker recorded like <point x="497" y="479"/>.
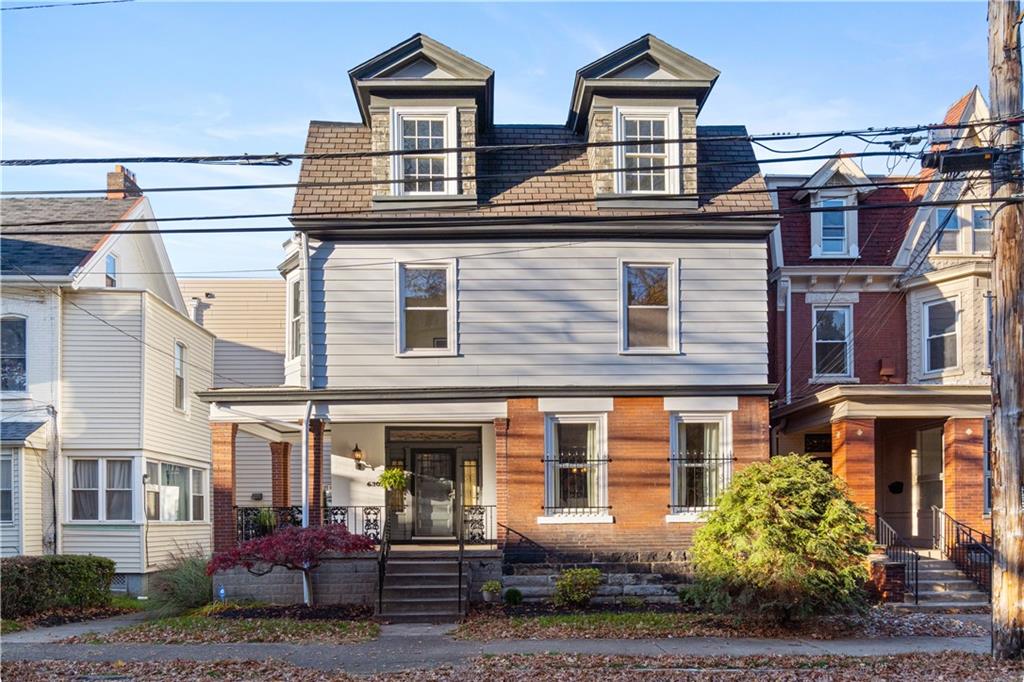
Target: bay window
<point x="649" y="308"/>
<point x="175" y="492"/>
<point x="7" y="486"/>
<point x="426" y="309"/>
<point x="833" y="342"/>
<point x="701" y="463"/>
<point x="576" y="468"/>
<point x="940" y="335"/>
<point x="101" y="489"/>
<point x="646" y="159"/>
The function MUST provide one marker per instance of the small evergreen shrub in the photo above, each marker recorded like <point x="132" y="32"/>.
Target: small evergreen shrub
<point x="36" y="584"/>
<point x="633" y="602"/>
<point x="576" y="587"/>
<point x="785" y="543"/>
<point x="513" y="597"/>
<point x="182" y="585"/>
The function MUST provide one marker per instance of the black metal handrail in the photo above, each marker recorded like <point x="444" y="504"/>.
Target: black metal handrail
<point x="462" y="550"/>
<point x="970" y="550"/>
<point x="899" y="550"/>
<point x="254" y="522"/>
<point x="382" y="563"/>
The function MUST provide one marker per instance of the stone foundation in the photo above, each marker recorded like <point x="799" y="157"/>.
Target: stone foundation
<point x="480" y="571"/>
<point x="341" y="580"/>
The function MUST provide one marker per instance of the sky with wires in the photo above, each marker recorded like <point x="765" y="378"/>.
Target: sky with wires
<point x="143" y="78"/>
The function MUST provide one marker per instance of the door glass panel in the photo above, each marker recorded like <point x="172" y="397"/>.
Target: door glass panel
<point x="928" y="480"/>
<point x="435" y="493"/>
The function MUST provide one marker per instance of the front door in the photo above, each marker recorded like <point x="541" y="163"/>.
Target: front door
<point x="926" y="474"/>
<point x="434" y="471"/>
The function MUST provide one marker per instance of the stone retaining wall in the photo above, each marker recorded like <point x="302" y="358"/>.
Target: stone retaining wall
<point x="654" y="577"/>
<point x="340" y="580"/>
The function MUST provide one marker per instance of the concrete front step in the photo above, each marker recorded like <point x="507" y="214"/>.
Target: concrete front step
<point x="421" y="617"/>
<point x="934" y="575"/>
<point x="936" y="606"/>
<point x="421" y="566"/>
<point x="442" y="605"/>
<point x="423" y="579"/>
<point x="420" y="592"/>
<point x="973" y="597"/>
<point x="946" y="585"/>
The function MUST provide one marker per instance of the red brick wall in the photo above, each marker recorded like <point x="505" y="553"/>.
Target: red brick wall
<point x="222" y="475"/>
<point x="280" y="456"/>
<point x="316" y="471"/>
<point x="964" y="473"/>
<point x="853" y="460"/>
<point x="638" y="477"/>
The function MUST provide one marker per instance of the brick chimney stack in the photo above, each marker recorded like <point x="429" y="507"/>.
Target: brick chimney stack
<point x="121" y="184"/>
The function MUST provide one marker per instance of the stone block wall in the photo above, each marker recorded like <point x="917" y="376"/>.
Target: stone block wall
<point x="380" y="141"/>
<point x="340" y="580"/>
<point x="600" y="129"/>
<point x="465" y="165"/>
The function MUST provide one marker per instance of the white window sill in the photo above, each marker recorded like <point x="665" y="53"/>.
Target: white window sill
<point x="835" y="256"/>
<point x="685" y="517"/>
<point x="569" y="519"/>
<point x="439" y="353"/>
<point x="943" y="373"/>
<point x="95" y="522"/>
<point x="826" y="379"/>
<point x="648" y="351"/>
<point x="15" y="395"/>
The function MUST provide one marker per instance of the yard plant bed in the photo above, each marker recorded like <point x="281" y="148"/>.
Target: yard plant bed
<point x="537" y="622"/>
<point x="117" y="607"/>
<point x="947" y="666"/>
<point x="227" y="623"/>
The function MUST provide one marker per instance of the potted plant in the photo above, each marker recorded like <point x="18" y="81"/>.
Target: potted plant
<point x="492" y="591"/>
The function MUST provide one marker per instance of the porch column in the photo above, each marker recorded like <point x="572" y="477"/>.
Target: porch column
<point x="853" y="460"/>
<point x="963" y="442"/>
<point x="280" y="469"/>
<point x="501" y="477"/>
<point x="222" y="476"/>
<point x="315" y="471"/>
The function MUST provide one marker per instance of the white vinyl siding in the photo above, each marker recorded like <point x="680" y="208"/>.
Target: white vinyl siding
<point x="122" y="543"/>
<point x="166" y="541"/>
<point x="542" y="313"/>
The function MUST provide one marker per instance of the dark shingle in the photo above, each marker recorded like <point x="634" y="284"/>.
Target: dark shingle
<point x="15" y="433"/>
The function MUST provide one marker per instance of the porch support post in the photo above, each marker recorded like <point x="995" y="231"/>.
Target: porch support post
<point x="280" y="470"/>
<point x="501" y="477"/>
<point x="315" y="471"/>
<point x="222" y="475"/>
<point x="963" y="442"/>
<point x="853" y="460"/>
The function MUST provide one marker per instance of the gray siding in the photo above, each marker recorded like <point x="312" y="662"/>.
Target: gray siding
<point x="120" y="543"/>
<point x="541" y="313"/>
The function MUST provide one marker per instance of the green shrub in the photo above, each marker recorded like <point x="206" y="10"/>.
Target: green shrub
<point x="633" y="602"/>
<point x="576" y="586"/>
<point x="513" y="597"/>
<point x="183" y="585"/>
<point x="36" y="584"/>
<point x="785" y="543"/>
<point x="492" y="586"/>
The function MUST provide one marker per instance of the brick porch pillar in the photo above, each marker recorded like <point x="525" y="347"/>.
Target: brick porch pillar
<point x="501" y="476"/>
<point x="315" y="471"/>
<point x="853" y="460"/>
<point x="222" y="476"/>
<point x="280" y="470"/>
<point x="963" y="445"/>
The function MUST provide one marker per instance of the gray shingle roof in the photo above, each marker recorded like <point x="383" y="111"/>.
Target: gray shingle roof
<point x="17" y="432"/>
<point x="47" y="255"/>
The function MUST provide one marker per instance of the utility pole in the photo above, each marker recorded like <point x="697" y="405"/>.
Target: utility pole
<point x="1004" y="20"/>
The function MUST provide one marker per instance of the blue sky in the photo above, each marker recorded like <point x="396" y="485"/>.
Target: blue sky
<point x="222" y="78"/>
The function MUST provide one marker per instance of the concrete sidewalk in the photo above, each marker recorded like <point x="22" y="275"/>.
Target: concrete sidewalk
<point x="404" y="647"/>
<point x="59" y="632"/>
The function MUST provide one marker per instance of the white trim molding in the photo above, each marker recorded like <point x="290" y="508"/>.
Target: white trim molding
<point x="673" y="286"/>
<point x="552" y="514"/>
<point x="725" y="454"/>
<point x="670" y="115"/>
<point x="448" y="115"/>
<point x="848" y="338"/>
<point x="451" y="299"/>
<point x="849" y="199"/>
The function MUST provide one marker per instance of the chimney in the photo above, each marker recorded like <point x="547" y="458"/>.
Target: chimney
<point x="121" y="184"/>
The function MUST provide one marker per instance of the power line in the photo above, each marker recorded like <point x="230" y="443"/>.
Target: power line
<point x="64" y="4"/>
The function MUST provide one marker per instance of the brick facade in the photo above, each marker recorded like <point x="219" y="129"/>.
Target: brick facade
<point x="964" y="472"/>
<point x="639" y="481"/>
<point x="315" y="471"/>
<point x="222" y="477"/>
<point x="853" y="460"/>
<point x="280" y="468"/>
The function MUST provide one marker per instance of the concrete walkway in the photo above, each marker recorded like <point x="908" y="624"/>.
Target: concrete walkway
<point x="59" y="632"/>
<point x="404" y="647"/>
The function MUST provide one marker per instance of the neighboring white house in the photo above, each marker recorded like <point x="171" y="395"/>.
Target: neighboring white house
<point x="106" y="450"/>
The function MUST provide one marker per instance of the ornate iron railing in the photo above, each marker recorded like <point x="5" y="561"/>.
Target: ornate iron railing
<point x="254" y="522"/>
<point x="698" y="481"/>
<point x="382" y="563"/>
<point x="899" y="550"/>
<point x="478" y="524"/>
<point x="970" y="550"/>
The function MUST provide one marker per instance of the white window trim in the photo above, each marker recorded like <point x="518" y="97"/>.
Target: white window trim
<point x="974" y="232"/>
<point x="850" y="199"/>
<point x="24" y="391"/>
<point x="451" y="167"/>
<point x="206" y="493"/>
<point x="671" y="117"/>
<point x="673" y="307"/>
<point x="292" y="314"/>
<point x="451" y="289"/>
<point x="959" y="250"/>
<point x="552" y="516"/>
<point x="848" y="311"/>
<point x="101" y="472"/>
<point x="12" y="454"/>
<point x="117" y="270"/>
<point x="185" y="401"/>
<point x="724" y="419"/>
<point x="930" y="373"/>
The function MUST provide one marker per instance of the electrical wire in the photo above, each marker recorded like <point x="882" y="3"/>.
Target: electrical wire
<point x="64" y="4"/>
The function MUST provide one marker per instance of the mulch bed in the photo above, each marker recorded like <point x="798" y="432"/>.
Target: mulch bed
<point x="956" y="667"/>
<point x="297" y="612"/>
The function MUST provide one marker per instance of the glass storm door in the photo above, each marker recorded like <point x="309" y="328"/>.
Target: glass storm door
<point x="926" y="465"/>
<point x="435" y="492"/>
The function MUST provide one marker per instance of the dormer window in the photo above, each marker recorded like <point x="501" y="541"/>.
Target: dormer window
<point x="947" y="223"/>
<point x="834" y="231"/>
<point x="424" y="133"/>
<point x="647" y="163"/>
<point x="110" y="271"/>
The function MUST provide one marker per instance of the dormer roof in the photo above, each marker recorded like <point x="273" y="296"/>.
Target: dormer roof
<point x="839" y="170"/>
<point x="647" y="66"/>
<point x="420" y="66"/>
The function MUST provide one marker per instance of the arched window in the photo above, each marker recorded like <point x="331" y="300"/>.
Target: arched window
<point x="13" y="363"/>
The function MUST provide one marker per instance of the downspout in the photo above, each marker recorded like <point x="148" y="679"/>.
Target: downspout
<point x="789" y="341"/>
<point x="307" y="363"/>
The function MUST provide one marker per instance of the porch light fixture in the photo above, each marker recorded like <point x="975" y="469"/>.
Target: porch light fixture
<point x="357" y="455"/>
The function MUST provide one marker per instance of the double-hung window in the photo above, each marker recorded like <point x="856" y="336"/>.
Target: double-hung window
<point x="649" y="309"/>
<point x="648" y="161"/>
<point x="7" y="486"/>
<point x="153" y="491"/>
<point x="295" y="319"/>
<point x="940" y="335"/>
<point x="833" y="228"/>
<point x="701" y="463"/>
<point x="576" y="467"/>
<point x="13" y="359"/>
<point x="833" y="341"/>
<point x="981" y="230"/>
<point x="101" y="489"/>
<point x="175" y="492"/>
<point x="110" y="271"/>
<point x="834" y="225"/>
<point x="180" y="383"/>
<point x="947" y="224"/>
<point x="426" y="308"/>
<point x="424" y="167"/>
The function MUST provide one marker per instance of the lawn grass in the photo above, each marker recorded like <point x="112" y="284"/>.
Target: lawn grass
<point x="123" y="601"/>
<point x="7" y="626"/>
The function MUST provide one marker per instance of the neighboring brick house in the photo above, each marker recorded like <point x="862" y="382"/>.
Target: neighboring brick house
<point x="106" y="450"/>
<point x="879" y="335"/>
<point x="554" y="368"/>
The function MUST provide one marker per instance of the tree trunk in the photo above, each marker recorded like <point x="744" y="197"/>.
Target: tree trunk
<point x="1008" y="339"/>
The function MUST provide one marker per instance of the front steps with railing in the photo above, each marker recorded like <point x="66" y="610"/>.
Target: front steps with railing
<point x="422" y="587"/>
<point x="943" y="587"/>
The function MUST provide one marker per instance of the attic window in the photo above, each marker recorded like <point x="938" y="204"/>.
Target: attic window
<point x="647" y="162"/>
<point x="110" y="275"/>
<point x="424" y="134"/>
<point x="834" y="231"/>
